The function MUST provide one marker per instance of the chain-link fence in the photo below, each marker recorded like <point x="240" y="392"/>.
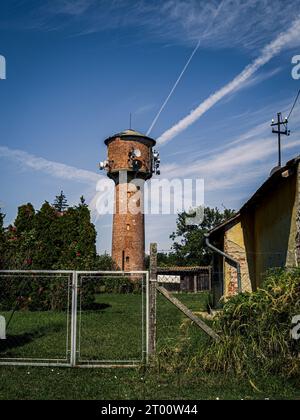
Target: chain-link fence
<point x="68" y="318"/>
<point x="112" y="318"/>
<point x="36" y="314"/>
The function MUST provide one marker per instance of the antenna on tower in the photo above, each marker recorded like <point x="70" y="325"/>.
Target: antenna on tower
<point x="130" y="120"/>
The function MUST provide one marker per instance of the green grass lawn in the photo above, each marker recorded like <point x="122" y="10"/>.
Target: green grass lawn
<point x="113" y="332"/>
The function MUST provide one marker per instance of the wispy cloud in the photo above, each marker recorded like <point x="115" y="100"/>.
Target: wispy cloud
<point x="74" y="7"/>
<point x="144" y="109"/>
<point x="269" y="51"/>
<point x="243" y="23"/>
<point x="54" y="169"/>
<point x="241" y="164"/>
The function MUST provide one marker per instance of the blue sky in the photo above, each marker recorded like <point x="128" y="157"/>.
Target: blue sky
<point x="76" y="69"/>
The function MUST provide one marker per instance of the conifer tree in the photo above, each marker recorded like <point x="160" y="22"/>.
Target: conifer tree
<point x="79" y="251"/>
<point x="60" y="203"/>
<point x="25" y="237"/>
<point x="49" y="238"/>
<point x="82" y="201"/>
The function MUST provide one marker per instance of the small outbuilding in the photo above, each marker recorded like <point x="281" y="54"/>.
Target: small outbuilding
<point x="185" y="279"/>
<point x="264" y="234"/>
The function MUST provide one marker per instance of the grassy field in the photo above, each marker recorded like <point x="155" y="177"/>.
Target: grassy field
<point x="113" y="332"/>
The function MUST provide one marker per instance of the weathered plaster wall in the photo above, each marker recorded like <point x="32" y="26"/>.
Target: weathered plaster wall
<point x="266" y="236"/>
<point x="234" y="245"/>
<point x="275" y="228"/>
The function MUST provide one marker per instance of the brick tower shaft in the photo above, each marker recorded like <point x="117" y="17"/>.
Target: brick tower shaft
<point x="130" y="162"/>
<point x="128" y="240"/>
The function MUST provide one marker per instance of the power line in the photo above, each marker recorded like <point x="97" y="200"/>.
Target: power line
<point x="295" y="103"/>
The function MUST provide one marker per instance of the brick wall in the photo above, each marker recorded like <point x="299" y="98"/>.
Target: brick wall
<point x="128" y="241"/>
<point x="231" y="279"/>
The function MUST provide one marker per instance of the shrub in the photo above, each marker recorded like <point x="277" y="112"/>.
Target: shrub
<point x="119" y="285"/>
<point x="40" y="293"/>
<point x="255" y="329"/>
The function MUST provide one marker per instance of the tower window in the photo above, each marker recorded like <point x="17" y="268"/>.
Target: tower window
<point x="127" y="260"/>
<point x="128" y="227"/>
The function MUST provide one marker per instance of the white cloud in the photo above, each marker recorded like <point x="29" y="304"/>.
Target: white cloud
<point x="246" y="24"/>
<point x="74" y="7"/>
<point x="242" y="23"/>
<point x="239" y="165"/>
<point x="54" y="169"/>
<point x="269" y="51"/>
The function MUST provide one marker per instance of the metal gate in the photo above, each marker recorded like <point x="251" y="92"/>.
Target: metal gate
<point x="74" y="318"/>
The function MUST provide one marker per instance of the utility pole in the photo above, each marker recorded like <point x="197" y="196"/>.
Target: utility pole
<point x="279" y="132"/>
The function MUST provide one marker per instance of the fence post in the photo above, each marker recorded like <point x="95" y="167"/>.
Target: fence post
<point x="195" y="284"/>
<point x="74" y="318"/>
<point x="2" y="328"/>
<point x="210" y="278"/>
<point x="152" y="300"/>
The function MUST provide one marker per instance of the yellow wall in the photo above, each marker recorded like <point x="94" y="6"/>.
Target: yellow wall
<point x="265" y="236"/>
<point x="275" y="228"/>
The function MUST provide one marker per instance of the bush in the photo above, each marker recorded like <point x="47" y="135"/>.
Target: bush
<point x="119" y="285"/>
<point x="255" y="329"/>
<point x="40" y="293"/>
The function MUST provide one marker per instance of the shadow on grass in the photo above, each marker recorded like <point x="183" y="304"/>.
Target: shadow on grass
<point x="15" y="341"/>
<point x="94" y="307"/>
<point x="20" y="340"/>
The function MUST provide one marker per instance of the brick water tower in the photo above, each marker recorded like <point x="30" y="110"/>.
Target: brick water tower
<point x="130" y="162"/>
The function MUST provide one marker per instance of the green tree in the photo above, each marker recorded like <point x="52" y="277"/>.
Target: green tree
<point x="25" y="218"/>
<point x="79" y="239"/>
<point x="105" y="263"/>
<point x="49" y="238"/>
<point x="188" y="241"/>
<point x="60" y="203"/>
<point x="25" y="237"/>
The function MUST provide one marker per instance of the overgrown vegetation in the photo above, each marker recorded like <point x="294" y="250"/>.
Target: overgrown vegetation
<point x="255" y="333"/>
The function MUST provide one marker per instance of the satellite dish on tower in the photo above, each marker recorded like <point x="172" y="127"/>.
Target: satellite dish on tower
<point x="137" y="153"/>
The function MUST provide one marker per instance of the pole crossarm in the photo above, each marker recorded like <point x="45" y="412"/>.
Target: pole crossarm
<point x="280" y="133"/>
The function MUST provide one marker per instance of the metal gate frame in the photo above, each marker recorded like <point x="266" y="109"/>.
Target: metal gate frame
<point x="75" y="336"/>
<point x="72" y="350"/>
<point x="45" y="362"/>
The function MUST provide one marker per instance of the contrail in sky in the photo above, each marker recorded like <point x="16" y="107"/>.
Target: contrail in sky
<point x="267" y="53"/>
<point x="184" y="69"/>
